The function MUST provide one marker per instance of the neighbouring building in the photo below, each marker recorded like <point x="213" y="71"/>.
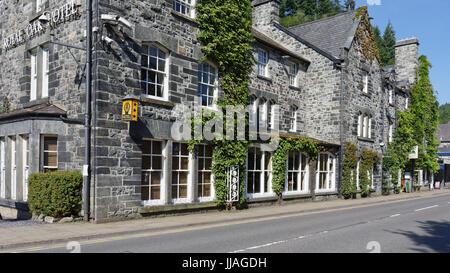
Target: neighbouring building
<point x="443" y="135"/>
<point x="316" y="73"/>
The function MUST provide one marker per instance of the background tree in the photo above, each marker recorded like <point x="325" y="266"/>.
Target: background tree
<point x="444" y="113"/>
<point x="388" y="55"/>
<point x="350" y="5"/>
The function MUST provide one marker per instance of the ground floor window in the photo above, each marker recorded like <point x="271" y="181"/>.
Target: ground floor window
<point x="205" y="176"/>
<point x="49" y="153"/>
<point x="152" y="168"/>
<point x="325" y="172"/>
<point x="180" y="171"/>
<point x="259" y="168"/>
<point x="297" y="179"/>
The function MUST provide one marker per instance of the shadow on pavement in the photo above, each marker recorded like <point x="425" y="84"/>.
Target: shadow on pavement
<point x="436" y="239"/>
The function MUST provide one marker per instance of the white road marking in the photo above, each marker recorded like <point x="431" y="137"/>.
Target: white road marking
<point x="267" y="245"/>
<point x="395" y="215"/>
<point x="427" y="208"/>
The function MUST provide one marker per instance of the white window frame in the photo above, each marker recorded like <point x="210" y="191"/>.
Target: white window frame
<point x="160" y="201"/>
<point x="2" y="168"/>
<point x="253" y="113"/>
<point x="43" y="167"/>
<point x="39" y="59"/>
<point x="189" y="6"/>
<point x="293" y="119"/>
<point x="262" y="171"/>
<point x="271" y="107"/>
<point x="165" y="73"/>
<point x="391" y="133"/>
<point x="214" y="86"/>
<point x="407" y="103"/>
<point x="202" y="170"/>
<point x="365" y="82"/>
<point x="298" y="160"/>
<point x="357" y="174"/>
<point x="177" y="199"/>
<point x="293" y="75"/>
<point x="13" y="166"/>
<point x="39" y="5"/>
<point x="391" y="96"/>
<point x="25" y="164"/>
<point x="330" y="177"/>
<point x="262" y="63"/>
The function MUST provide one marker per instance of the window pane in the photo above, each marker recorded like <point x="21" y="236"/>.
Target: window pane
<point x="157" y="147"/>
<point x="156" y="178"/>
<point x="50" y="143"/>
<point x="155" y="194"/>
<point x="157" y="162"/>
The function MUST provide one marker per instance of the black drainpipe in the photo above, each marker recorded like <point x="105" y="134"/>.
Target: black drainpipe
<point x="341" y="127"/>
<point x="87" y="118"/>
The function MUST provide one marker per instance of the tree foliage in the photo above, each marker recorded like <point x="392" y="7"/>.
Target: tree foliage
<point x="386" y="44"/>
<point x="349" y="164"/>
<point x="444" y="113"/>
<point x="294" y="12"/>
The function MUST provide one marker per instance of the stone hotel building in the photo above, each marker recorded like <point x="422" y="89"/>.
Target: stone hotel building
<point x="315" y="72"/>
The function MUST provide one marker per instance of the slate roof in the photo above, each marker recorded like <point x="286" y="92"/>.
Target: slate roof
<point x="40" y="110"/>
<point x="330" y="34"/>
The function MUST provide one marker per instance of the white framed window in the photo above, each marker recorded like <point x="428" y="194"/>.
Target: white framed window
<point x="49" y="153"/>
<point x="205" y="186"/>
<point x="2" y="168"/>
<point x="297" y="177"/>
<point x="271" y="115"/>
<point x="406" y="103"/>
<point x="180" y="172"/>
<point x="364" y="126"/>
<point x="293" y="74"/>
<point x="391" y="96"/>
<point x="207" y="84"/>
<point x="365" y="82"/>
<point x="325" y="179"/>
<point x="39" y="73"/>
<point x="293" y="119"/>
<point x="185" y="7"/>
<point x="259" y="172"/>
<point x="154" y="67"/>
<point x="13" y="167"/>
<point x="263" y="113"/>
<point x="263" y="61"/>
<point x="357" y="174"/>
<point x="391" y="133"/>
<point x="39" y="4"/>
<point x="152" y="171"/>
<point x="253" y="113"/>
<point x="25" y="165"/>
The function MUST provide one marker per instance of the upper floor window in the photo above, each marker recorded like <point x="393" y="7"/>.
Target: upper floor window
<point x="253" y="115"/>
<point x="364" y="126"/>
<point x="185" y="7"/>
<point x="391" y="132"/>
<point x="207" y="84"/>
<point x="407" y="103"/>
<point x="365" y="82"/>
<point x="271" y="108"/>
<point x="391" y="96"/>
<point x="293" y="119"/>
<point x="293" y="74"/>
<point x="154" y="72"/>
<point x="39" y="4"/>
<point x="263" y="60"/>
<point x="39" y="73"/>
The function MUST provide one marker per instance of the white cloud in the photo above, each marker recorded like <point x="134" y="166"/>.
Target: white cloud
<point x="374" y="2"/>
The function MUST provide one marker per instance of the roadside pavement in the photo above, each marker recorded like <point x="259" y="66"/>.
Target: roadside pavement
<point x="35" y="235"/>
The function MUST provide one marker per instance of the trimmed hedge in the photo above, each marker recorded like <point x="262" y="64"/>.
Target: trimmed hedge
<point x="56" y="194"/>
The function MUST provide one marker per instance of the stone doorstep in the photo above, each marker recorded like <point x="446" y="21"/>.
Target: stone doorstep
<point x="100" y="235"/>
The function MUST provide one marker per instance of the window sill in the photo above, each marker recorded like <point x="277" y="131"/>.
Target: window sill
<point x="366" y="139"/>
<point x="295" y="88"/>
<point x="36" y="102"/>
<point x="162" y="102"/>
<point x="264" y="78"/>
<point x="184" y="17"/>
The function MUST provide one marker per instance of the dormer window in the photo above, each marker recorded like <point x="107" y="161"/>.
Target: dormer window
<point x="185" y="7"/>
<point x="263" y="60"/>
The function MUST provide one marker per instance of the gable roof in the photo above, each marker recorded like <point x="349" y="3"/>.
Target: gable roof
<point x="330" y="34"/>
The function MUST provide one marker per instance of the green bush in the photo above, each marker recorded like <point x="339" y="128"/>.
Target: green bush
<point x="56" y="194"/>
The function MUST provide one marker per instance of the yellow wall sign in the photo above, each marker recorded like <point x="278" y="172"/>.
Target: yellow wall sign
<point x="130" y="110"/>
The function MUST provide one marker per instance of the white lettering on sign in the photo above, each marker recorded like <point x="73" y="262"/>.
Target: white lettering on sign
<point x="52" y="18"/>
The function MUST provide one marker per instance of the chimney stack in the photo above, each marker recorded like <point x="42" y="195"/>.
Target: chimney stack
<point x="407" y="59"/>
<point x="265" y="11"/>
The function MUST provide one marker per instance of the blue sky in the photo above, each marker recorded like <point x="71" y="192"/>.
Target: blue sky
<point x="427" y="20"/>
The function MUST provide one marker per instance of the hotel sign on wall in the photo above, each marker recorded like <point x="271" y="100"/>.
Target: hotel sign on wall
<point x="50" y="18"/>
